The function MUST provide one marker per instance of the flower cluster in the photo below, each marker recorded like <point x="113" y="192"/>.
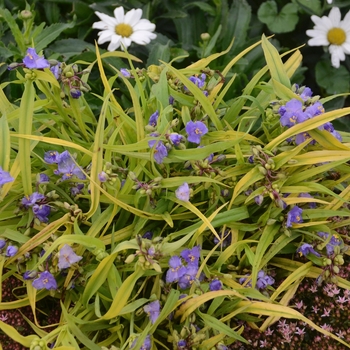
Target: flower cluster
<point x="66" y="165"/>
<point x="153" y="310"/>
<point x="183" y="269"/>
<point x="297" y="111"/>
<point x="262" y="282"/>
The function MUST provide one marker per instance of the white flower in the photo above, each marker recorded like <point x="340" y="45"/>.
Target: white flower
<point x="329" y="1"/>
<point x="124" y="29"/>
<point x="333" y="32"/>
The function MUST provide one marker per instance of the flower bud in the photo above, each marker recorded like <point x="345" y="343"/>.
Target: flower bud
<point x="130" y="259"/>
<point x="262" y="170"/>
<point x="335" y="269"/>
<point x="26" y="14"/>
<point x="205" y="37"/>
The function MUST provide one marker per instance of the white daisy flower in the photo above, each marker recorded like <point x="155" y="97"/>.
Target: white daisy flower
<point x="333" y="32"/>
<point x="124" y="29"/>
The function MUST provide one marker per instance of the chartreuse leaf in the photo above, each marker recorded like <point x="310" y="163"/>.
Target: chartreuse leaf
<point x="221" y="327"/>
<point x="123" y="295"/>
<point x="15" y="336"/>
<point x="5" y="105"/>
<point x="261" y="308"/>
<point x="70" y="319"/>
<point x="97" y="159"/>
<point x="198" y="94"/>
<point x="265" y="240"/>
<point x="307" y="125"/>
<point x="5" y="143"/>
<point x="26" y="111"/>
<point x="274" y="62"/>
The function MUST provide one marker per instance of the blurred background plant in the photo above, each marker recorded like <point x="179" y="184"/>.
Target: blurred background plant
<point x="186" y="30"/>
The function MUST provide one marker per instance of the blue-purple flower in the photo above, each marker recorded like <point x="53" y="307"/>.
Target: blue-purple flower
<point x="195" y="131"/>
<point x="176" y="269"/>
<point x="334" y="241"/>
<point x="181" y="344"/>
<point x="5" y="177"/>
<point x="146" y="344"/>
<point x="215" y="285"/>
<point x="292" y="113"/>
<point x="125" y="73"/>
<point x="183" y="192"/>
<point x="191" y="256"/>
<point x="45" y="281"/>
<point x="33" y="61"/>
<point x="160" y="151"/>
<point x="75" y="93"/>
<point x="67" y="166"/>
<point x="29" y="275"/>
<point x="2" y="243"/>
<point x="153" y="119"/>
<point x="11" y="250"/>
<point x="75" y="190"/>
<point x="199" y="81"/>
<point x="175" y="138"/>
<point x="41" y="212"/>
<point x="56" y="70"/>
<point x="306" y="249"/>
<point x="67" y="257"/>
<point x="153" y="310"/>
<point x="29" y="201"/>
<point x="264" y="280"/>
<point x="187" y="279"/>
<point x="314" y="109"/>
<point x="306" y="94"/>
<point x="103" y="176"/>
<point x="312" y="205"/>
<point x="51" y="157"/>
<point x="294" y="216"/>
<point x="43" y="178"/>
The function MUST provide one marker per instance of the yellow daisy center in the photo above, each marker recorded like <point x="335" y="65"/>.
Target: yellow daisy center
<point x="336" y="36"/>
<point x="124" y="30"/>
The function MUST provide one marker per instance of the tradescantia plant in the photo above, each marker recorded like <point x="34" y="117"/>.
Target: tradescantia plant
<point x="179" y="216"/>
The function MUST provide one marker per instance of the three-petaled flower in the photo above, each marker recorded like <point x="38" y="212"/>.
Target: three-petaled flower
<point x="183" y="192"/>
<point x="195" y="131"/>
<point x="67" y="257"/>
<point x="5" y="177"/>
<point x="33" y="61"/>
<point x="294" y="216"/>
<point x="153" y="310"/>
<point x="45" y="281"/>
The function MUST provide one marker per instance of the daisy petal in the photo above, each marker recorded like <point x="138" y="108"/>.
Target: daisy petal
<point x="119" y="14"/>
<point x="133" y="16"/>
<point x="107" y="19"/>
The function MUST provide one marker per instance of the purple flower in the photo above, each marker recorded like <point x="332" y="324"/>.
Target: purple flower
<point x="160" y="151"/>
<point x="153" y="119"/>
<point x="294" y="216"/>
<point x="187" y="279"/>
<point x="43" y="178"/>
<point x="29" y="201"/>
<point x="300" y="138"/>
<point x="259" y="199"/>
<point x="75" y="190"/>
<point x="243" y="279"/>
<point x="314" y="110"/>
<point x="176" y="269"/>
<point x="334" y="241"/>
<point x="306" y="249"/>
<point x="195" y="131"/>
<point x="264" y="280"/>
<point x="306" y="94"/>
<point x="191" y="256"/>
<point x="68" y="167"/>
<point x="2" y="243"/>
<point x="148" y="235"/>
<point x="41" y="212"/>
<point x="171" y="100"/>
<point x="75" y="93"/>
<point x="5" y="177"/>
<point x="33" y="61"/>
<point x="67" y="257"/>
<point x="181" y="344"/>
<point x="125" y="73"/>
<point x="146" y="344"/>
<point x="103" y="176"/>
<point x="11" y="250"/>
<point x="56" y="70"/>
<point x="175" y="138"/>
<point x="215" y="285"/>
<point x="152" y="309"/>
<point x="312" y="205"/>
<point x="199" y="81"/>
<point x="45" y="281"/>
<point x="29" y="275"/>
<point x="183" y="192"/>
<point x="292" y="113"/>
<point x="51" y="157"/>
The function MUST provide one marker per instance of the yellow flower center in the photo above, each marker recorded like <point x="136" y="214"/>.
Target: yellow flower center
<point x="336" y="36"/>
<point x="124" y="30"/>
<point x="197" y="131"/>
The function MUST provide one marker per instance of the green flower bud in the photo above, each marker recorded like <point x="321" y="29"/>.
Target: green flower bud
<point x="205" y="37"/>
<point x="130" y="259"/>
<point x="336" y="269"/>
<point x="26" y="14"/>
<point x="262" y="170"/>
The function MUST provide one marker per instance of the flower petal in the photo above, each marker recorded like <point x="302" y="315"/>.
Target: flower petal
<point x="119" y="14"/>
<point x="107" y="19"/>
<point x="144" y="24"/>
<point x="133" y="16"/>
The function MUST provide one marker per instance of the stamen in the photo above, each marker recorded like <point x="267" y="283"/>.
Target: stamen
<point x="336" y="36"/>
<point x="124" y="30"/>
